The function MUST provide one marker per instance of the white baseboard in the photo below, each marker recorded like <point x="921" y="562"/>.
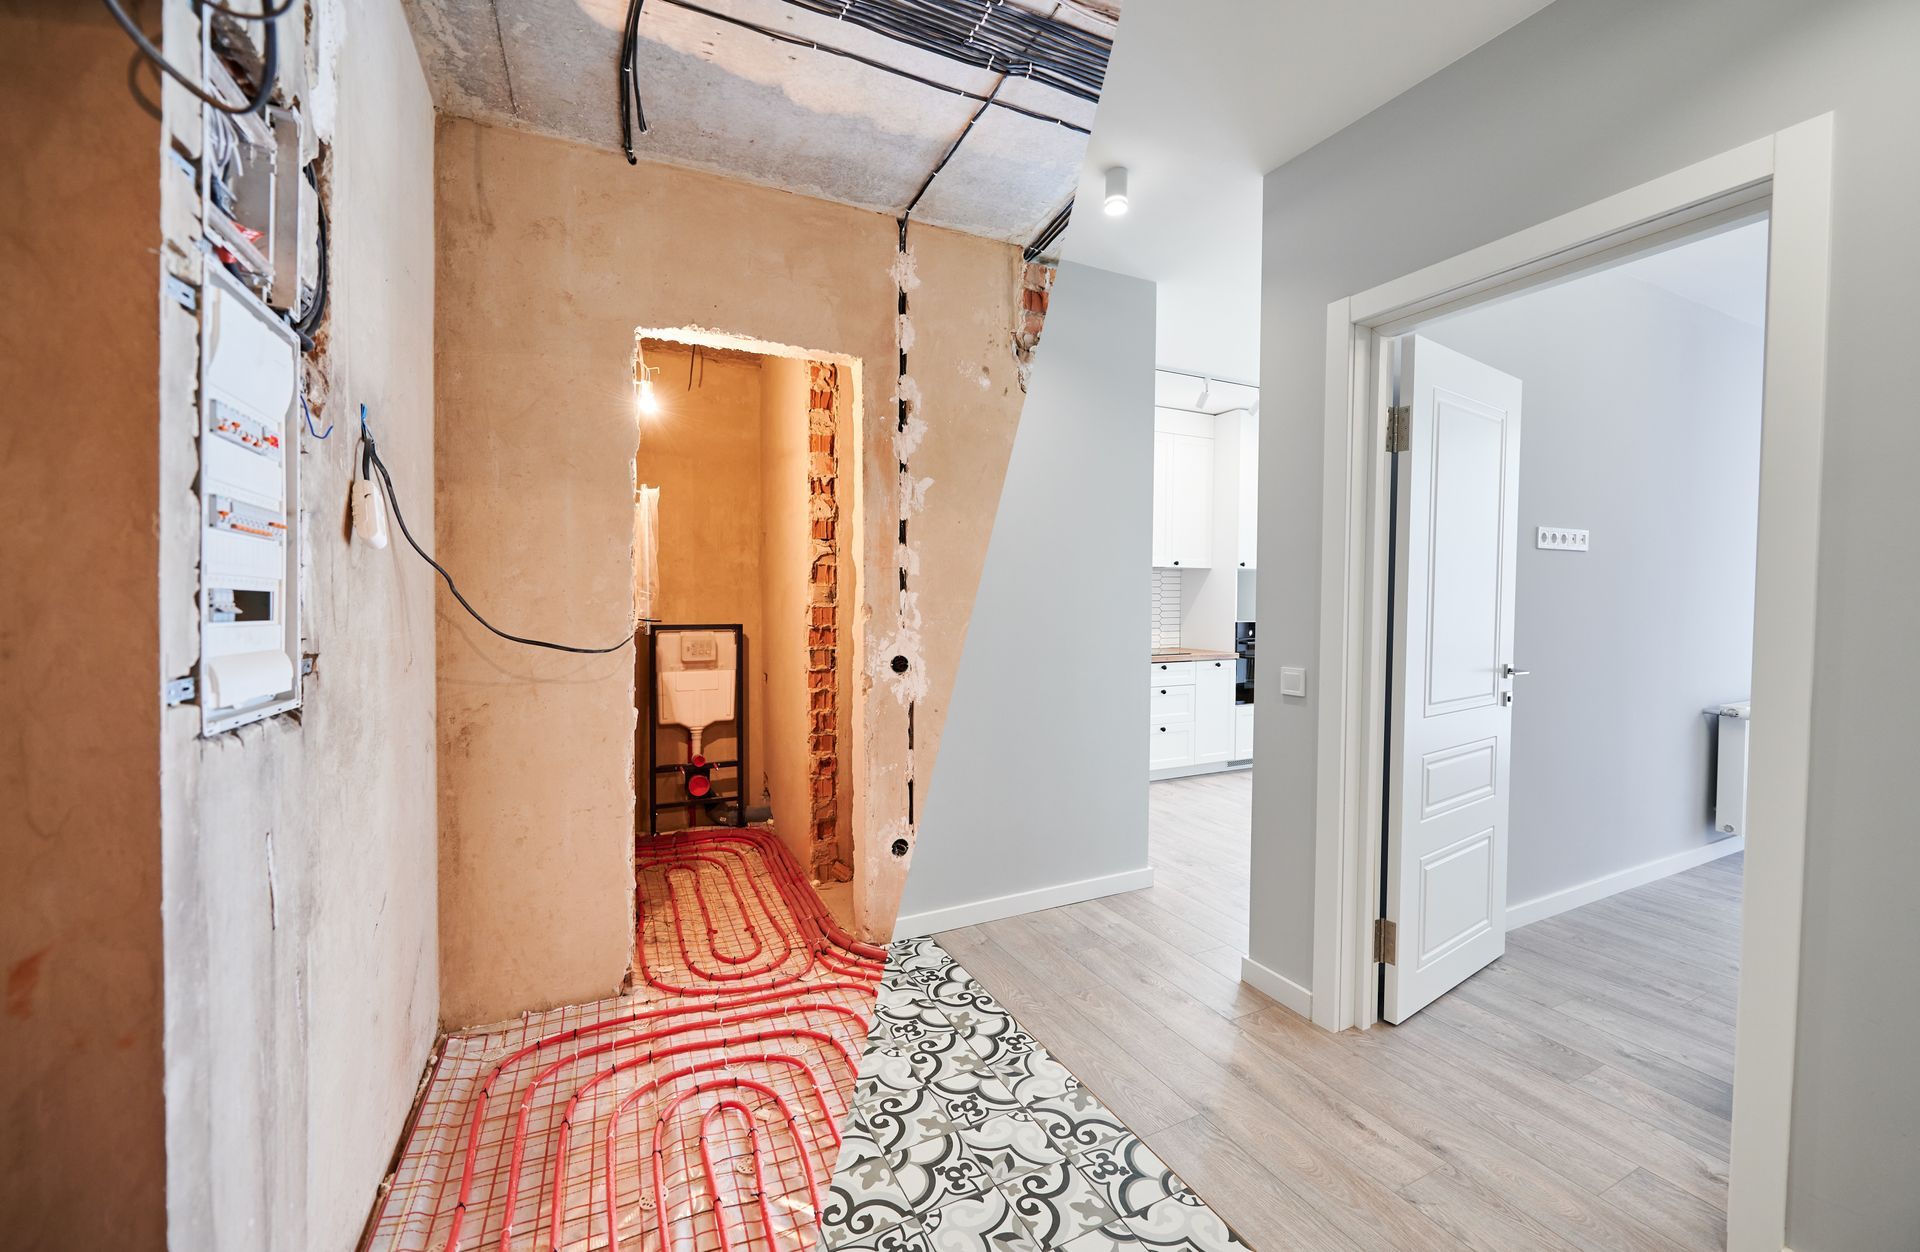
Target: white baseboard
<point x="1542" y="907"/>
<point x="1276" y="987"/>
<point x="1194" y="771"/>
<point x="992" y="910"/>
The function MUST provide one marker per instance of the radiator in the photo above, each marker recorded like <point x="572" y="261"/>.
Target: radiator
<point x="1731" y="722"/>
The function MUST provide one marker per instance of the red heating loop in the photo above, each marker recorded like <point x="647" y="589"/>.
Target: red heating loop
<point x="659" y="1158"/>
<point x="701" y="862"/>
<point x="566" y="1121"/>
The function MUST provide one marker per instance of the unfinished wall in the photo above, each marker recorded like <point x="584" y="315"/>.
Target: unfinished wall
<point x="703" y="450"/>
<point x="549" y="256"/>
<point x="786" y="559"/>
<point x="79" y="674"/>
<point x="300" y="942"/>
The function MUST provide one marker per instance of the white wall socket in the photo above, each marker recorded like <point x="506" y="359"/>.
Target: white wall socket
<point x="1562" y="538"/>
<point x="1293" y="680"/>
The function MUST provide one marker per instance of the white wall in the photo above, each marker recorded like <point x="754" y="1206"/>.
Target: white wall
<point x="1642" y="425"/>
<point x="1042" y="777"/>
<point x="1579" y="102"/>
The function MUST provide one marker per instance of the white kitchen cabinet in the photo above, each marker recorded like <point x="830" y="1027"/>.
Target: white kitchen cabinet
<point x="1213" y="712"/>
<point x="1182" y="491"/>
<point x="1249" y="474"/>
<point x="1169" y="745"/>
<point x="1243" y="732"/>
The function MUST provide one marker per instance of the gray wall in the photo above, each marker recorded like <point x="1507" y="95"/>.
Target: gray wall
<point x="301" y="954"/>
<point x="1641" y="424"/>
<point x="1584" y="99"/>
<point x="1042" y="774"/>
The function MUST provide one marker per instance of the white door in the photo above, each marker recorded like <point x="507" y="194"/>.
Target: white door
<point x="1190" y="491"/>
<point x="1452" y="720"/>
<point x="1162" y="500"/>
<point x="1249" y="511"/>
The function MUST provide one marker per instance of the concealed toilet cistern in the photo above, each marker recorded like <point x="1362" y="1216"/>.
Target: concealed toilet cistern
<point x="696" y="684"/>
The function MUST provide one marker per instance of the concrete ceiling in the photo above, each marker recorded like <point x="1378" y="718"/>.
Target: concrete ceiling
<point x="1205" y="96"/>
<point x="733" y="101"/>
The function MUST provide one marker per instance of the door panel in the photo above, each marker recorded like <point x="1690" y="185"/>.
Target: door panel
<point x="1456" y="543"/>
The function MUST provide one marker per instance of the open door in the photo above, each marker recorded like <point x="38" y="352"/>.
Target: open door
<point x="1456" y="488"/>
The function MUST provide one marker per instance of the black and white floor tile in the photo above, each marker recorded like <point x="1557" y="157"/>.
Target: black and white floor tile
<point x="968" y="1136"/>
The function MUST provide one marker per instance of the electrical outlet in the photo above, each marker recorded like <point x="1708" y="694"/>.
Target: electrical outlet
<point x="1293" y="680"/>
<point x="1561" y="539"/>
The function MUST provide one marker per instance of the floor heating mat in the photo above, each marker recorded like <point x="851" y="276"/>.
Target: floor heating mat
<point x="702" y="1112"/>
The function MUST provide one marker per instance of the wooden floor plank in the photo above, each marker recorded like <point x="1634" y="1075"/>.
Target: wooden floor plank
<point x="1574" y="1095"/>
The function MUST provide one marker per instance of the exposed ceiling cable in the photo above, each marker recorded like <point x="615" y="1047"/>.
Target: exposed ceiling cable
<point x="988" y="34"/>
<point x="629" y="72"/>
<point x="1049" y="234"/>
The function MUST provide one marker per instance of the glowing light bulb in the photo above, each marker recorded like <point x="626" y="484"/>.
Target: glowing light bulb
<point x="648" y="402"/>
<point x="1116" y="198"/>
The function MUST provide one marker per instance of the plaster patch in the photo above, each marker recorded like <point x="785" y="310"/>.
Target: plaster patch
<point x="905" y="332"/>
<point x="913" y="494"/>
<point x="907" y="557"/>
<point x="906" y="440"/>
<point x="905" y="270"/>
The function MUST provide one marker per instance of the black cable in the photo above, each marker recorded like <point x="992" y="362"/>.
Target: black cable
<point x="309" y="321"/>
<point x="372" y="458"/>
<point x="630" y="106"/>
<point x="270" y="63"/>
<point x="265" y="14"/>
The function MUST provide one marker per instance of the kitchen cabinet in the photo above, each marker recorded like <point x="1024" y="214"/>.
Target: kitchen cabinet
<point x="1190" y="715"/>
<point x="1212" y="712"/>
<point x="1249" y="503"/>
<point x="1182" y="491"/>
<point x="1243" y="732"/>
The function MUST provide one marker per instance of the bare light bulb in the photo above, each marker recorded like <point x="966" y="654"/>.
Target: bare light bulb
<point x="648" y="402"/>
<point x="1116" y="200"/>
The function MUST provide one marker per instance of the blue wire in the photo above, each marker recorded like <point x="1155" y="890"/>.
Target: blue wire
<point x="309" y="412"/>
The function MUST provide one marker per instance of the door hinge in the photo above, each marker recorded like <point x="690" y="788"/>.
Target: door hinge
<point x="1386" y="937"/>
<point x="180" y="691"/>
<point x="1399" y="427"/>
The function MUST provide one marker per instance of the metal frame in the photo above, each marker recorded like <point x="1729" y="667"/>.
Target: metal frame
<point x="654" y="771"/>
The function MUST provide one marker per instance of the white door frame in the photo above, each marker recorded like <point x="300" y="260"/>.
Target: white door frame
<point x="1788" y="174"/>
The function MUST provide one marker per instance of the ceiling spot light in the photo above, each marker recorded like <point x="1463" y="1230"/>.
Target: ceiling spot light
<point x="1116" y="201"/>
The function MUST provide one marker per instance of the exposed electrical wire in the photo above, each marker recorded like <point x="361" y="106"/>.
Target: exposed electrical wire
<point x="631" y="110"/>
<point x="371" y="464"/>
<point x="309" y="319"/>
<point x="630" y="89"/>
<point x="987" y="34"/>
<point x="1049" y="234"/>
<point x="269" y="57"/>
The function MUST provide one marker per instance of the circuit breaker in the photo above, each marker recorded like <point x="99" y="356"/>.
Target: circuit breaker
<point x="249" y="502"/>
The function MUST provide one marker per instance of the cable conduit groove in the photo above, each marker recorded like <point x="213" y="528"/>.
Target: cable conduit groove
<point x="699" y="1113"/>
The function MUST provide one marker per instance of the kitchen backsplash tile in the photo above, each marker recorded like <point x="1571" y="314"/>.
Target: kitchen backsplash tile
<point x="1166" y="608"/>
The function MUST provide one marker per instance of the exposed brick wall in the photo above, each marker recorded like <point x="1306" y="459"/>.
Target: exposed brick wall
<point x="1036" y="286"/>
<point x="829" y="861"/>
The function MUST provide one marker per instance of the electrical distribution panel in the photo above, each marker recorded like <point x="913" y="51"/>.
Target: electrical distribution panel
<point x="249" y="500"/>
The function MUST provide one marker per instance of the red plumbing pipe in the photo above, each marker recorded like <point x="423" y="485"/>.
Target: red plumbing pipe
<point x="759" y="1173"/>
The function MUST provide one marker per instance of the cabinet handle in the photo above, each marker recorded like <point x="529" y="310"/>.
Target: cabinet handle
<point x="1163" y="691"/>
<point x="1176" y="562"/>
<point x="1243" y="565"/>
<point x="1216" y="665"/>
<point x="1163" y="730"/>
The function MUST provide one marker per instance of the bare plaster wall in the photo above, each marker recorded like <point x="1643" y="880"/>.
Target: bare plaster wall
<point x="549" y="256"/>
<point x="703" y="451"/>
<point x="300" y="940"/>
<point x="786" y="552"/>
<point x="80" y="1027"/>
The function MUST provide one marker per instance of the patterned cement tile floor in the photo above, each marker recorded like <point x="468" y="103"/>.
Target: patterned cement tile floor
<point x="967" y="1136"/>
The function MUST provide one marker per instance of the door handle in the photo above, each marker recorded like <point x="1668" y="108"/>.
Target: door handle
<point x="1507" y="671"/>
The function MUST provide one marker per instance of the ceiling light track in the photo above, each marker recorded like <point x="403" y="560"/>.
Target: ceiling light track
<point x="987" y="34"/>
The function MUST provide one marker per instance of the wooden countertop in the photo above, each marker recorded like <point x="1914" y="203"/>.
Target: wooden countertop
<point x="1159" y="657"/>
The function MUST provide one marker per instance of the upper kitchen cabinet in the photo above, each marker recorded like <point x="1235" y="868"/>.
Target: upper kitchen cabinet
<point x="1249" y="488"/>
<point x="1183" y="473"/>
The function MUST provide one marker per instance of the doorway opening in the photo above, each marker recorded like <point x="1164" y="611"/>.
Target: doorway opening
<point x="1573" y="500"/>
<point x="1788" y="176"/>
<point x="748" y="559"/>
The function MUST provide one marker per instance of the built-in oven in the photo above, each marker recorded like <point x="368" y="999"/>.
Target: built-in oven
<point x="1243" y="665"/>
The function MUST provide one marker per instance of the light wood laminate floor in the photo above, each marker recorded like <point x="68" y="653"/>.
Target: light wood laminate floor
<point x="1575" y="1094"/>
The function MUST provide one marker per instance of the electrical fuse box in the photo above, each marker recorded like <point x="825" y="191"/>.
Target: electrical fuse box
<point x="249" y="491"/>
